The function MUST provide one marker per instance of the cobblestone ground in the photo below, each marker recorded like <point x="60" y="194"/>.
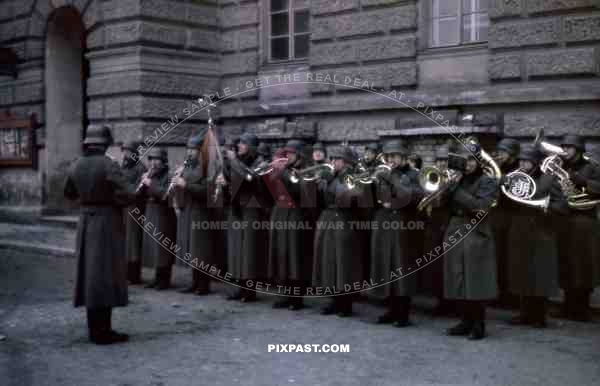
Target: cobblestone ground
<point x="187" y="340"/>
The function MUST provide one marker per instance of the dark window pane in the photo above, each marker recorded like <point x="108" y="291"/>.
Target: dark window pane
<point x="301" y="21"/>
<point x="280" y="48"/>
<point x="278" y="5"/>
<point x="279" y="24"/>
<point x="301" y="44"/>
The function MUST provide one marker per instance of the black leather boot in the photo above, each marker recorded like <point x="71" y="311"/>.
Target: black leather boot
<point x="134" y="272"/>
<point x="297" y="302"/>
<point x="566" y="307"/>
<point x="154" y="281"/>
<point x="465" y="326"/>
<point x="202" y="285"/>
<point x="526" y="310"/>
<point x="391" y="315"/>
<point x="248" y="296"/>
<point x="580" y="310"/>
<point x="344" y="306"/>
<point x="330" y="308"/>
<point x="538" y="316"/>
<point x="403" y="319"/>
<point x="478" y="330"/>
<point x="107" y="326"/>
<point x="236" y="293"/>
<point x="192" y="287"/>
<point x="164" y="279"/>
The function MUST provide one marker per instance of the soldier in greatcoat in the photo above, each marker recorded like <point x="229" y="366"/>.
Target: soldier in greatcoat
<point x="133" y="169"/>
<point x="578" y="241"/>
<point x="103" y="191"/>
<point x="291" y="234"/>
<point x="160" y="220"/>
<point x="436" y="221"/>
<point x="392" y="247"/>
<point x="532" y="259"/>
<point x="336" y="265"/>
<point x="470" y="263"/>
<point x="249" y="205"/>
<point x="507" y="151"/>
<point x="203" y="235"/>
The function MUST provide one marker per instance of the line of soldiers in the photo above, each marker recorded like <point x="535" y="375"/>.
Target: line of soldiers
<point x="252" y="188"/>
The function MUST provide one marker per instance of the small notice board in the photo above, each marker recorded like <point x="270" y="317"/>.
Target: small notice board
<point x="17" y="140"/>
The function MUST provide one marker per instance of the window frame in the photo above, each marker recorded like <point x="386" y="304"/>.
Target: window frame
<point x="461" y="16"/>
<point x="291" y="35"/>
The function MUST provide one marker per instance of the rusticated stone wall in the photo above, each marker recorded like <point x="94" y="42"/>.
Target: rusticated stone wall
<point x="150" y="59"/>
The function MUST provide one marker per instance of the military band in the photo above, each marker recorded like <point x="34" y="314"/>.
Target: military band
<point x="522" y="225"/>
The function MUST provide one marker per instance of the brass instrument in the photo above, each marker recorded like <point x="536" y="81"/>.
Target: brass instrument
<point x="521" y="187"/>
<point x="491" y="169"/>
<point x="588" y="157"/>
<point x="367" y="177"/>
<point x="435" y="183"/>
<point x="310" y="173"/>
<point x="552" y="165"/>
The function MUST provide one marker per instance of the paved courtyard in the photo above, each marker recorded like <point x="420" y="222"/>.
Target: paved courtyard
<point x="188" y="340"/>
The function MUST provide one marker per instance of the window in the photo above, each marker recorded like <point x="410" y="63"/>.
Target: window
<point x="455" y="22"/>
<point x="289" y="35"/>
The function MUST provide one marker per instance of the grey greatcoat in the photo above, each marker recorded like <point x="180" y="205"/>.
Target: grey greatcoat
<point x="133" y="231"/>
<point x="250" y="203"/>
<point x="202" y="234"/>
<point x="393" y="249"/>
<point x="179" y="202"/>
<point x="102" y="190"/>
<point x="290" y="250"/>
<point x="532" y="259"/>
<point x="578" y="241"/>
<point x="336" y="263"/>
<point x="470" y="260"/>
<point x="160" y="223"/>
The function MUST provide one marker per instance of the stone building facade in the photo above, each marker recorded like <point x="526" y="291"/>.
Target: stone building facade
<point x="137" y="65"/>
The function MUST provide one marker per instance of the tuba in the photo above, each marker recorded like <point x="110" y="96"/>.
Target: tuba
<point x="491" y="169"/>
<point x="553" y="165"/>
<point x="521" y="187"/>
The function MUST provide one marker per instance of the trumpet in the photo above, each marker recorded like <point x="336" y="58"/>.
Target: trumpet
<point x="435" y="182"/>
<point x="305" y="174"/>
<point x="521" y="187"/>
<point x="552" y="165"/>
